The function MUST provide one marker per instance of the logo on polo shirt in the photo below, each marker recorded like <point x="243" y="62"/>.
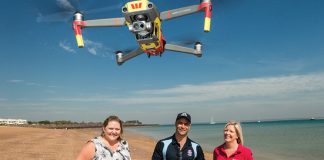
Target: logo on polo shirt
<point x="189" y="153"/>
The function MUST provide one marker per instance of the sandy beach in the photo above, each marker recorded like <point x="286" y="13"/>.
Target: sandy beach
<point x="53" y="144"/>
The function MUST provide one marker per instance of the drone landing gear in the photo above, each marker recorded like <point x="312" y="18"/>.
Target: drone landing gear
<point x="196" y="51"/>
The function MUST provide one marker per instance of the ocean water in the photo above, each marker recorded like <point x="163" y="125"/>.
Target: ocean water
<point x="275" y="140"/>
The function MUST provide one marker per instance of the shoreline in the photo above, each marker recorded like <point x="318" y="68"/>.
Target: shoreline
<point x="266" y="140"/>
<point x="42" y="143"/>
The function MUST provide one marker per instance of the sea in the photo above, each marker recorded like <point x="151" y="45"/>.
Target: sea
<point x="268" y="140"/>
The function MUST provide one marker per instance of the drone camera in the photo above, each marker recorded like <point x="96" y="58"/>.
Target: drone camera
<point x="141" y="28"/>
<point x="140" y="17"/>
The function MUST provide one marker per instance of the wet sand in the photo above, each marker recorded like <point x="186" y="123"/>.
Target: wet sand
<point x="53" y="144"/>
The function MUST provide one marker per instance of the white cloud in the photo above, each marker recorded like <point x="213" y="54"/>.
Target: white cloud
<point x="53" y="86"/>
<point x="67" y="9"/>
<point x="92" y="47"/>
<point x="65" y="4"/>
<point x="98" y="49"/>
<point x="23" y="104"/>
<point x="254" y="87"/>
<point x="55" y="17"/>
<point x="242" y="89"/>
<point x="33" y="84"/>
<point x="66" y="47"/>
<point x="30" y="84"/>
<point x="39" y="17"/>
<point x="15" y="81"/>
<point x="92" y="51"/>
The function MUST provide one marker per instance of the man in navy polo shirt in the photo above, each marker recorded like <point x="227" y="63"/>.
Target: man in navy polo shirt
<point x="179" y="146"/>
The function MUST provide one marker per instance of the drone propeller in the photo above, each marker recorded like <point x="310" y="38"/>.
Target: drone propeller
<point x="187" y="40"/>
<point x="127" y="50"/>
<point x="124" y="50"/>
<point x="65" y="9"/>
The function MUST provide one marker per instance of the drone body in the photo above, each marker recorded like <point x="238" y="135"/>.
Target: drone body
<point x="144" y="21"/>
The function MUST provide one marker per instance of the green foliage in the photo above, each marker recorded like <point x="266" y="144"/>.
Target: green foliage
<point x="60" y="122"/>
<point x="44" y="122"/>
<point x="63" y="122"/>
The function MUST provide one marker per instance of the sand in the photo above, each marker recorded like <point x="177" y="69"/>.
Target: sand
<point x="60" y="144"/>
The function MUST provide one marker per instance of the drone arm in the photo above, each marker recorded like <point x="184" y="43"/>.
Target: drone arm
<point x="170" y="14"/>
<point x="123" y="58"/>
<point x="177" y="48"/>
<point x="79" y="23"/>
<point x="109" y="22"/>
<point x="205" y="6"/>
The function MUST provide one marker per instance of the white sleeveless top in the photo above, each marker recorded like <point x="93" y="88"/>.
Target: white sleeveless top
<point x="102" y="152"/>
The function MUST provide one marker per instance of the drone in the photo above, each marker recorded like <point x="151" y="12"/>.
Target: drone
<point x="144" y="21"/>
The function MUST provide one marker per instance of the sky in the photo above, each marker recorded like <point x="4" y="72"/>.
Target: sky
<point x="262" y="59"/>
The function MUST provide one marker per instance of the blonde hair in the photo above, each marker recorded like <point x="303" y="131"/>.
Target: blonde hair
<point x="238" y="130"/>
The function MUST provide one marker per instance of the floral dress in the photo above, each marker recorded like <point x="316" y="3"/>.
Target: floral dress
<point x="102" y="152"/>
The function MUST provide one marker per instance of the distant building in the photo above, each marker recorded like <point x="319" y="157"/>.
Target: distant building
<point x="12" y="121"/>
<point x="133" y="122"/>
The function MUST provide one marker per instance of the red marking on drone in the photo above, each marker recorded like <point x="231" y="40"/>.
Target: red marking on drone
<point x="137" y="5"/>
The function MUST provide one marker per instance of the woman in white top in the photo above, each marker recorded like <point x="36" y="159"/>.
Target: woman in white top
<point x="108" y="146"/>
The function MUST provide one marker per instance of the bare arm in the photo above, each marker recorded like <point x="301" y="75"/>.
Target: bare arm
<point x="87" y="152"/>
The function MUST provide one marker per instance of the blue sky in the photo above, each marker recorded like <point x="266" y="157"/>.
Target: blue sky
<point x="262" y="60"/>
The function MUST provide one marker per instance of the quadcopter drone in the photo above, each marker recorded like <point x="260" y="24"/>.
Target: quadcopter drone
<point x="144" y="21"/>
